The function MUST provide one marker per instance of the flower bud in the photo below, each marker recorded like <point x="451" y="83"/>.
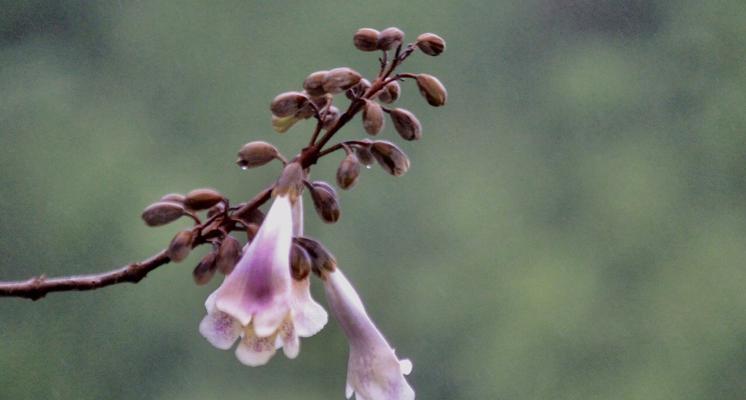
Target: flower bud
<point x="372" y="117"/>
<point x="348" y="171"/>
<point x="300" y="262"/>
<point x="390" y="38"/>
<point x="162" y="212"/>
<point x="431" y="44"/>
<point x="406" y="124"/>
<point x="340" y="79"/>
<point x="253" y="215"/>
<point x="325" y="201"/>
<point x="432" y="90"/>
<point x="215" y="210"/>
<point x="390" y="157"/>
<point x="358" y="90"/>
<point x="256" y="154"/>
<point x="288" y="103"/>
<point x="282" y="124"/>
<point x="174" y="197"/>
<point x="321" y="258"/>
<point x="202" y="199"/>
<point x="331" y="117"/>
<point x="390" y="93"/>
<point x="205" y="270"/>
<point x="228" y="254"/>
<point x="306" y="111"/>
<point x="366" y="39"/>
<point x="290" y="182"/>
<point x="180" y="246"/>
<point x="364" y="155"/>
<point x="314" y="84"/>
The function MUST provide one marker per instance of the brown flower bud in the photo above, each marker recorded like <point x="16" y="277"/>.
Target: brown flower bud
<point x="364" y="155"/>
<point x="215" y="210"/>
<point x="406" y="124"/>
<point x="162" y="212"/>
<point x="314" y="83"/>
<point x="174" y="197"/>
<point x="372" y="117"/>
<point x="253" y="215"/>
<point x="255" y="154"/>
<point x="325" y="201"/>
<point x="348" y="171"/>
<point x="290" y="182"/>
<point x="205" y="270"/>
<point x="282" y="124"/>
<point x="431" y="44"/>
<point x="390" y="38"/>
<point x="202" y="199"/>
<point x="331" y="117"/>
<point x="340" y="79"/>
<point x="390" y="93"/>
<point x="288" y="103"/>
<point x="358" y="90"/>
<point x="307" y="111"/>
<point x="432" y="90"/>
<point x="300" y="262"/>
<point x="366" y="39"/>
<point x="390" y="157"/>
<point x="229" y="253"/>
<point x="321" y="258"/>
<point x="180" y="246"/>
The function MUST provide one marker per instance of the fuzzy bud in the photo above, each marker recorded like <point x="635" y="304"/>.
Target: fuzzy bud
<point x="205" y="270"/>
<point x="162" y="213"/>
<point x="340" y="79"/>
<point x="325" y="201"/>
<point x="331" y="117"/>
<point x="390" y="157"/>
<point x="372" y="117"/>
<point x="358" y="90"/>
<point x="406" y="124"/>
<point x="255" y="154"/>
<point x="290" y="182"/>
<point x="390" y="93"/>
<point x="366" y="39"/>
<point x="228" y="254"/>
<point x="321" y="258"/>
<point x="390" y="38"/>
<point x="180" y="246"/>
<point x="431" y="44"/>
<point x="174" y="197"/>
<point x="432" y="90"/>
<point x="314" y="84"/>
<point x="364" y="155"/>
<point x="288" y="104"/>
<point x="348" y="171"/>
<point x="300" y="262"/>
<point x="202" y="199"/>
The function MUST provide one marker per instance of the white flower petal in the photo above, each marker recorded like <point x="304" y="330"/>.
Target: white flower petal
<point x="254" y="351"/>
<point x="267" y="322"/>
<point x="220" y="329"/>
<point x="309" y="316"/>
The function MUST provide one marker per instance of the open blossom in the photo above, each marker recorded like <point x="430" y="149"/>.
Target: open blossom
<point x="373" y="372"/>
<point x="259" y="301"/>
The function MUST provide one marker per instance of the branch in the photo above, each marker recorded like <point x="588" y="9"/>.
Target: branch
<point x="37" y="287"/>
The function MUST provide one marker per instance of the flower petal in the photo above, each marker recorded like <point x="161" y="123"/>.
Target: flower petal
<point x="309" y="316"/>
<point x="220" y="329"/>
<point x="255" y="351"/>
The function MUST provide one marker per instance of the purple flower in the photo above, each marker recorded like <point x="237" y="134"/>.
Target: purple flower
<point x="259" y="301"/>
<point x="373" y="372"/>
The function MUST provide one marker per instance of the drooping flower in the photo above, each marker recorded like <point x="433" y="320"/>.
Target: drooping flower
<point x="259" y="301"/>
<point x="373" y="372"/>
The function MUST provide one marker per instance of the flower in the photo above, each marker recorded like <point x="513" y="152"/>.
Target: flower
<point x="373" y="372"/>
<point x="259" y="301"/>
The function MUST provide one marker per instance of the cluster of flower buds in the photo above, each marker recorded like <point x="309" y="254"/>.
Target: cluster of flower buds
<point x="264" y="302"/>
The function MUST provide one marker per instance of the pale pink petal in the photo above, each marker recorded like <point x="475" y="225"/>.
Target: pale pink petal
<point x="254" y="351"/>
<point x="268" y="320"/>
<point x="308" y="315"/>
<point x="290" y="341"/>
<point x="405" y="365"/>
<point x="220" y="329"/>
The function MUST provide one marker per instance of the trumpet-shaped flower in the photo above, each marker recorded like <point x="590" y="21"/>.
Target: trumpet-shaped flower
<point x="259" y="301"/>
<point x="373" y="372"/>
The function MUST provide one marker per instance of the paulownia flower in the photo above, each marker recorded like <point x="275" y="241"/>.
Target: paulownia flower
<point x="373" y="372"/>
<point x="259" y="301"/>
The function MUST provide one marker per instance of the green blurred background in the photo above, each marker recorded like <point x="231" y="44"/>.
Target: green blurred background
<point x="573" y="225"/>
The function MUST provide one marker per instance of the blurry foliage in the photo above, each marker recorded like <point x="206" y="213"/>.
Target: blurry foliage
<point x="572" y="226"/>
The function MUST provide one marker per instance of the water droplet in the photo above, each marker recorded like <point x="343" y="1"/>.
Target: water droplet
<point x="367" y="166"/>
<point x="243" y="167"/>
